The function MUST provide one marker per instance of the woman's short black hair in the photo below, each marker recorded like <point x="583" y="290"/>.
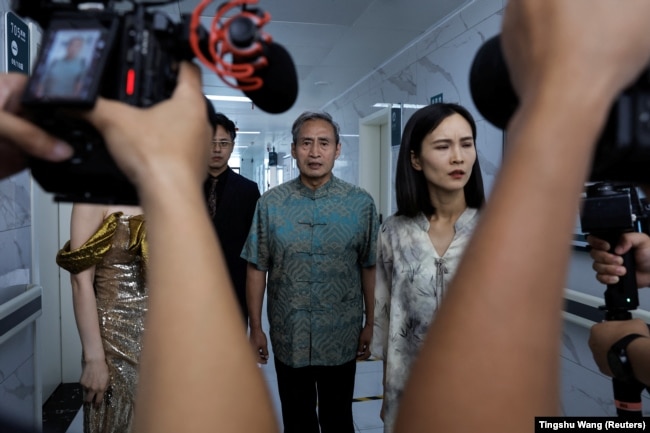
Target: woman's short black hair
<point x="412" y="195"/>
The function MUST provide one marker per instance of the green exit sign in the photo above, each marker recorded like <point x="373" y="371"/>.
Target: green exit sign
<point x="436" y="99"/>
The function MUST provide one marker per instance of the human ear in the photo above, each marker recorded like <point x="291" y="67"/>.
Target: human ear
<point x="415" y="162"/>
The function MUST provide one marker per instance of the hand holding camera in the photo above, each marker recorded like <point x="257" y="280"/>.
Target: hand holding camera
<point x="91" y="50"/>
<point x="609" y="266"/>
<point x="20" y="138"/>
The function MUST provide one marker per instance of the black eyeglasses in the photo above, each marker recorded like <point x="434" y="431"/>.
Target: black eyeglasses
<point x="222" y="144"/>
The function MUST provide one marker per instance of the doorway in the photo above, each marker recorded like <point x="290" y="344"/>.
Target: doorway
<point x="377" y="157"/>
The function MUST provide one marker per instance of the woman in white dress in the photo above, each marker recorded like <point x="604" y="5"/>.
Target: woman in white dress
<point x="439" y="190"/>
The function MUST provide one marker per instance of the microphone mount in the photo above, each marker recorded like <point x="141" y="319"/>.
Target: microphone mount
<point x="239" y="38"/>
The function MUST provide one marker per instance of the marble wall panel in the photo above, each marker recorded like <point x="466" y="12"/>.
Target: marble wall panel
<point x="16" y="355"/>
<point x="584" y="390"/>
<point x="17" y="376"/>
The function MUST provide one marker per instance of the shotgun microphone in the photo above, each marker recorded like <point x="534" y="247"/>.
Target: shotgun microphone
<point x="489" y="83"/>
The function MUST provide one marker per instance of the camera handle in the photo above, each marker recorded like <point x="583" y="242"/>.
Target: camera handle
<point x="620" y="299"/>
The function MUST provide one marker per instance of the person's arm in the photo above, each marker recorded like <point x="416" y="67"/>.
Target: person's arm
<point x="94" y="379"/>
<point x="198" y="373"/>
<point x="497" y="336"/>
<point x="604" y="335"/>
<point x="255" y="287"/>
<point x="609" y="267"/>
<point x="639" y="353"/>
<point x="383" y="284"/>
<point x="368" y="287"/>
<point x="19" y="137"/>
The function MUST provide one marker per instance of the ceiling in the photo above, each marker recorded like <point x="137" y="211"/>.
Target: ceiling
<point x="334" y="44"/>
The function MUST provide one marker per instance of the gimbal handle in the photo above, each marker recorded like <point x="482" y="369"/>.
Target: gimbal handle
<point x="620" y="299"/>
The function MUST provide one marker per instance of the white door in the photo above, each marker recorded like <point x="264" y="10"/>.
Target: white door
<point x="60" y="346"/>
<point x="45" y="272"/>
<point x="376" y="167"/>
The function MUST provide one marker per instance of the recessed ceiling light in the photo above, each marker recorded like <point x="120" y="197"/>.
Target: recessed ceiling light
<point x="386" y="104"/>
<point x="228" y="98"/>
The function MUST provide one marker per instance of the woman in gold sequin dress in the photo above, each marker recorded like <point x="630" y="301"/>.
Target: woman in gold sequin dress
<point x="106" y="258"/>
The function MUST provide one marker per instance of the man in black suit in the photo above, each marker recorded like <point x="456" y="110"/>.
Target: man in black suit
<point x="231" y="202"/>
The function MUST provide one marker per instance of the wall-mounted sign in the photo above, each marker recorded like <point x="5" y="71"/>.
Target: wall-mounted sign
<point x="16" y="44"/>
<point x="395" y="126"/>
<point x="436" y="99"/>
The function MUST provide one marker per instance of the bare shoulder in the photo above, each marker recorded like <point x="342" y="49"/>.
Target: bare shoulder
<point x="88" y="211"/>
<point x="126" y="210"/>
<point x="85" y="220"/>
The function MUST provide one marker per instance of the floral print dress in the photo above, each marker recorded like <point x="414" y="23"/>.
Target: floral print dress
<point x="411" y="282"/>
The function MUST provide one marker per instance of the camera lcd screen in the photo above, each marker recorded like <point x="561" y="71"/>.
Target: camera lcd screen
<point x="70" y="67"/>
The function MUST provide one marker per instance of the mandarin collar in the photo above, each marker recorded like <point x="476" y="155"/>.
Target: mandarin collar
<point x="320" y="192"/>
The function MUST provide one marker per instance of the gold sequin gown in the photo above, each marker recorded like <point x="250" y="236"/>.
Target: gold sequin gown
<point x="118" y="250"/>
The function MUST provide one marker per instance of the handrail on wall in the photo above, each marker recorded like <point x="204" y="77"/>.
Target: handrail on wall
<point x="595" y="302"/>
<point x="20" y="307"/>
<point x="19" y="311"/>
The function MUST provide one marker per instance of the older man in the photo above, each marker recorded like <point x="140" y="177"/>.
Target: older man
<point x="315" y="236"/>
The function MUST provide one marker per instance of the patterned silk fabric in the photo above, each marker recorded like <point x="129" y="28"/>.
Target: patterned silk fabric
<point x="313" y="245"/>
<point x="118" y="250"/>
<point x="411" y="282"/>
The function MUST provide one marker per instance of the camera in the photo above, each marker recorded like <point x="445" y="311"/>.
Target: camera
<point x="623" y="148"/>
<point x="130" y="52"/>
<point x="613" y="208"/>
<point x="130" y="56"/>
<point x="608" y="211"/>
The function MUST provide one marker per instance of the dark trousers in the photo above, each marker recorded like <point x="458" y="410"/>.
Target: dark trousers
<point x="329" y="387"/>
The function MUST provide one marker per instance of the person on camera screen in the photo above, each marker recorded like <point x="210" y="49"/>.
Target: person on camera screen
<point x="64" y="74"/>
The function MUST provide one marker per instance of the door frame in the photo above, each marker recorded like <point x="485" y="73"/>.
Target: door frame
<point x="375" y="160"/>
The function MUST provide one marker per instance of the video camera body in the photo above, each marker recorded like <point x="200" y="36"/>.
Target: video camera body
<point x="623" y="148"/>
<point x="132" y="55"/>
<point x="608" y="211"/>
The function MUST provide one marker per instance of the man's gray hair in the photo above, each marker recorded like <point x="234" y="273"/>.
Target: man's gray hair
<point x="314" y="115"/>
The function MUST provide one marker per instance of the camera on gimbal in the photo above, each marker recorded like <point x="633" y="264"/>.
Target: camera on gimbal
<point x="130" y="52"/>
<point x="614" y="207"/>
<point x="608" y="211"/>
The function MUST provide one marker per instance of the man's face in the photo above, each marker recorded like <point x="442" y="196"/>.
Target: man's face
<point x="74" y="47"/>
<point x="315" y="152"/>
<point x="221" y="148"/>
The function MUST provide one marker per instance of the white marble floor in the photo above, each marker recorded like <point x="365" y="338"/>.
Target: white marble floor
<point x="367" y="392"/>
<point x="366" y="406"/>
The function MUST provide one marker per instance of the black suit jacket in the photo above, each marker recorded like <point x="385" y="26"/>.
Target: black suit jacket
<point x="232" y="221"/>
